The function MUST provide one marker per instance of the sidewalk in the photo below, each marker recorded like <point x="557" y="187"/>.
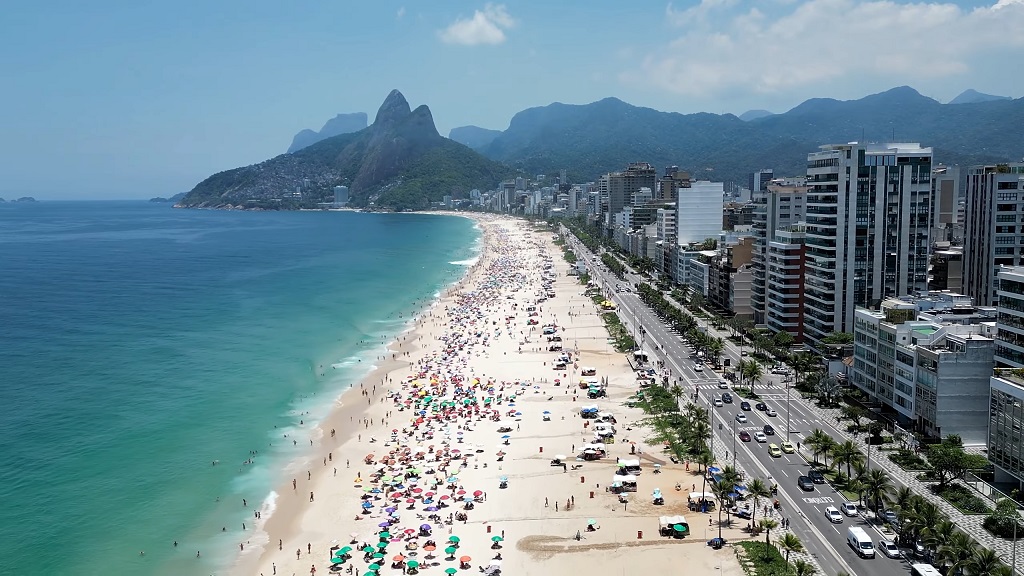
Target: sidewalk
<point x="969" y="523"/>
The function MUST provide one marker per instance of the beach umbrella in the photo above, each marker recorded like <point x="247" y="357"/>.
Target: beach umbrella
<point x="425" y="527"/>
<point x="546" y="412"/>
<point x="398" y="558"/>
<point x="432" y="509"/>
<point x="496" y="538"/>
<point x="478" y="493"/>
<point x="450" y="571"/>
<point x="505" y="437"/>
<point x="369" y="549"/>
<point x="465" y="559"/>
<point x="382" y="544"/>
<point x="385" y="534"/>
<point x="378" y="555"/>
<point x="412" y="564"/>
<point x="591" y="522"/>
<point x="367" y="504"/>
<point x="373" y="567"/>
<point x="383" y="524"/>
<point x="345" y="550"/>
<point x="679" y="528"/>
<point x="450" y="550"/>
<point x="455" y="539"/>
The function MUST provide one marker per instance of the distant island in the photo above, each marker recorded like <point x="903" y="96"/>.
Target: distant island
<point x="174" y="198"/>
<point x="22" y="199"/>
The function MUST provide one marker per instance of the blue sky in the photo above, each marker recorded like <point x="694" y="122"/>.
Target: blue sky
<point x="137" y="99"/>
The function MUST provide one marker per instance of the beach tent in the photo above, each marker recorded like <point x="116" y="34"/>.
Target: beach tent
<point x="697" y="496"/>
<point x="631" y="465"/>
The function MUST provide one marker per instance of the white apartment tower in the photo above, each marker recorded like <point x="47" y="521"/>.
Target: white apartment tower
<point x="777" y="207"/>
<point x="699" y="212"/>
<point x="867" y="234"/>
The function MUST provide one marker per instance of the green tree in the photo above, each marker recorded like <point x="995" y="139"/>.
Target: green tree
<point x="846" y="453"/>
<point x="956" y="552"/>
<point x="1001" y="520"/>
<point x="790" y="543"/>
<point x="983" y="562"/>
<point x="950" y="462"/>
<point x="803" y="568"/>
<point x="757" y="489"/>
<point x="767" y="524"/>
<point x="878" y="486"/>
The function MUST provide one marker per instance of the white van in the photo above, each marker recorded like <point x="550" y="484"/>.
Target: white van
<point x="861" y="543"/>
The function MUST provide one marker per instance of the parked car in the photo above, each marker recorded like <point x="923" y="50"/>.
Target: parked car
<point x="741" y="418"/>
<point x="760" y="437"/>
<point x="745" y="436"/>
<point x="805" y="483"/>
<point x="848" y="508"/>
<point x="745" y="406"/>
<point x="769" y="430"/>
<point x="890" y="549"/>
<point x="833" y="514"/>
<point x="788" y="447"/>
<point x="816" y="476"/>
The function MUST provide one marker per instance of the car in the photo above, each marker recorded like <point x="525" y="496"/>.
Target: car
<point x="890" y="517"/>
<point x="769" y="430"/>
<point x="771" y="412"/>
<point x="760" y="437"/>
<point x="805" y="483"/>
<point x="727" y="398"/>
<point x="889" y="548"/>
<point x="743" y="352"/>
<point x="723" y="384"/>
<point x="698" y="367"/>
<point x="774" y="451"/>
<point x="741" y="418"/>
<point x="718" y="403"/>
<point x="761" y="406"/>
<point x="816" y="476"/>
<point x="788" y="447"/>
<point x="779" y="370"/>
<point x="745" y="436"/>
<point x="833" y="514"/>
<point x="848" y="508"/>
<point x="745" y="406"/>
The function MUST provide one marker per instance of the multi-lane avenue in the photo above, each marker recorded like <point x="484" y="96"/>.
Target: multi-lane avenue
<point x="823" y="539"/>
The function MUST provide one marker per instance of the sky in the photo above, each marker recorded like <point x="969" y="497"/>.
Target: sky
<point x="134" y="99"/>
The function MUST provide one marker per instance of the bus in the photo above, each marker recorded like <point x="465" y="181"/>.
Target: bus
<point x="924" y="570"/>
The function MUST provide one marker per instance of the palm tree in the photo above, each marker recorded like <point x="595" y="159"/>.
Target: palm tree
<point x="677" y="392"/>
<point x="721" y="490"/>
<point x="983" y="562"/>
<point x="856" y="485"/>
<point x="815" y="442"/>
<point x="846" y="453"/>
<point x="938" y="535"/>
<point x="828" y="444"/>
<point x="790" y="543"/>
<point x="757" y="489"/>
<point x="767" y="524"/>
<point x="956" y="552"/>
<point x="878" y="485"/>
<point x="714" y="349"/>
<point x="803" y="568"/>
<point x="705" y="459"/>
<point x="751" y="371"/>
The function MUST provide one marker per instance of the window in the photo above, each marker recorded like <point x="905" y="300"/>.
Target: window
<point x="1012" y="196"/>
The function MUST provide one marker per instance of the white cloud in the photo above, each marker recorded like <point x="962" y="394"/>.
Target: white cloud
<point x="805" y="46"/>
<point x="401" y="12"/>
<point x="485" y="27"/>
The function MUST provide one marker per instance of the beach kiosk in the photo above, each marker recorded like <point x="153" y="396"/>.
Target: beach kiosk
<point x="589" y="412"/>
<point x="631" y="466"/>
<point x="701" y="501"/>
<point x="673" y="526"/>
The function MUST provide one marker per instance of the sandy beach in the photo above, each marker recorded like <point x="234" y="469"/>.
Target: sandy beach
<point x="462" y="421"/>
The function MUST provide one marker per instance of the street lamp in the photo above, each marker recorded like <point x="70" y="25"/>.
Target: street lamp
<point x="787" y="411"/>
<point x="733" y="442"/>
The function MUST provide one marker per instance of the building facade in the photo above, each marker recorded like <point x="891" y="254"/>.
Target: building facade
<point x="778" y="207"/>
<point x="1006" y="420"/>
<point x="783" y="286"/>
<point x="993" y="227"/>
<point x="867" y="234"/>
<point x="699" y="212"/>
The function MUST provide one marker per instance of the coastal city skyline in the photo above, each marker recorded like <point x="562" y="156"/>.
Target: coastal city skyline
<point x="137" y="102"/>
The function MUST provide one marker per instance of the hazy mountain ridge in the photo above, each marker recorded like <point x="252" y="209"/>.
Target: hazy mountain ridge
<point x="972" y="96"/>
<point x="592" y="139"/>
<point x="340" y="124"/>
<point x="473" y="136"/>
<point x="398" y="162"/>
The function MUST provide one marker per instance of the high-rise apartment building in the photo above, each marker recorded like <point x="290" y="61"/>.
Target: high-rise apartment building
<point x="699" y="212"/>
<point x="759" y="180"/>
<point x="783" y="293"/>
<point x="994" y="227"/>
<point x="1010" y="319"/>
<point x="621" y="186"/>
<point x="868" y="226"/>
<point x="777" y="207"/>
<point x="671" y="182"/>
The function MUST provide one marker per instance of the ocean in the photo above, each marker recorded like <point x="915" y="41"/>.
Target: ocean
<point x="139" y="344"/>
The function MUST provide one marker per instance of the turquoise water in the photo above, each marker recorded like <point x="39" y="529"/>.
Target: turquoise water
<point x="139" y="343"/>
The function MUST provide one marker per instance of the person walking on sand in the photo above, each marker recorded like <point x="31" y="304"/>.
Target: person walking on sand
<point x="298" y="553"/>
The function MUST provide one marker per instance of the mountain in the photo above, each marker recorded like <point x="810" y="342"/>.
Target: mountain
<point x="473" y="136"/>
<point x="174" y="198"/>
<point x="399" y="162"/>
<point x="592" y="139"/>
<point x="340" y="124"/>
<point x="754" y="115"/>
<point x="972" y="96"/>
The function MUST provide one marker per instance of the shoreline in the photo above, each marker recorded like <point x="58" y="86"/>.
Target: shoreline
<point x="482" y="337"/>
<point x="284" y="521"/>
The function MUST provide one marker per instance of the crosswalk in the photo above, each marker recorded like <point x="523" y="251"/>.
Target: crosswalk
<point x="714" y="386"/>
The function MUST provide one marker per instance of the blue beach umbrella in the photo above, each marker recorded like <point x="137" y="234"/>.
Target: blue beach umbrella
<point x="367" y="505"/>
<point x="506" y="436"/>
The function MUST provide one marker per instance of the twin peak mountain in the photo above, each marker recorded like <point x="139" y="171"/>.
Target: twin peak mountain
<point x="399" y="162"/>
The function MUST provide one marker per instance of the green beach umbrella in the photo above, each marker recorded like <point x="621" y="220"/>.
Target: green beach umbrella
<point x="412" y="563"/>
<point x="369" y="549"/>
<point x="450" y="571"/>
<point x="453" y="539"/>
<point x="338" y="560"/>
<point x="449" y="550"/>
<point x="496" y="538"/>
<point x="591" y="522"/>
<point x="378" y="555"/>
<point x="679" y="528"/>
<point x="381" y="544"/>
<point x="373" y="567"/>
<point x="345" y="550"/>
<point x="385" y="534"/>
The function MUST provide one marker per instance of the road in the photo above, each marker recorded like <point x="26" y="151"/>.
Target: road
<point x="821" y="538"/>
